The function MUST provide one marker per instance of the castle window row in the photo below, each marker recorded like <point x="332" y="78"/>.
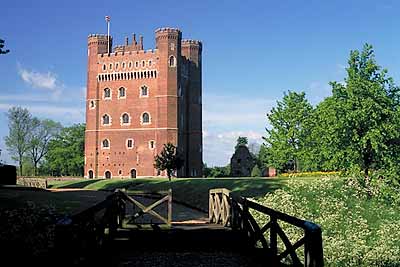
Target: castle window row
<point x="134" y="75"/>
<point x="143" y="92"/>
<point x="129" y="143"/>
<point x="117" y="65"/>
<point x="125" y="119"/>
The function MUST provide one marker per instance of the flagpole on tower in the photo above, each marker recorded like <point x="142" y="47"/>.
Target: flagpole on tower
<point x="108" y="33"/>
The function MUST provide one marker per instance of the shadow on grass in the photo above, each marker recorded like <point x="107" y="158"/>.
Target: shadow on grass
<point x="120" y="185"/>
<point x="81" y="184"/>
<point x="194" y="192"/>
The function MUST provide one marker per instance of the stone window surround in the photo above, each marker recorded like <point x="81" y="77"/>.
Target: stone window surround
<point x="152" y="147"/>
<point x="107" y="170"/>
<point x="105" y="147"/>
<point x="140" y="91"/>
<point x="172" y="64"/>
<point x="90" y="104"/>
<point x="133" y="143"/>
<point x="141" y="118"/>
<point x="119" y="93"/>
<point x="109" y="120"/>
<point x="125" y="123"/>
<point x="104" y="94"/>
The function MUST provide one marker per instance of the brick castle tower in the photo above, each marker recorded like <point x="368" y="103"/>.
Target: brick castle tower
<point x="137" y="100"/>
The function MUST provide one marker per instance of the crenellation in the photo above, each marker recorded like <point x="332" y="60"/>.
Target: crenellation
<point x="150" y="81"/>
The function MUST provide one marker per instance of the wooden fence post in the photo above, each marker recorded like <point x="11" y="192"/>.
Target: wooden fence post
<point x="169" y="206"/>
<point x="273" y="239"/>
<point x="313" y="249"/>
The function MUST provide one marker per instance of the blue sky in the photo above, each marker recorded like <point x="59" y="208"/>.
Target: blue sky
<point x="253" y="51"/>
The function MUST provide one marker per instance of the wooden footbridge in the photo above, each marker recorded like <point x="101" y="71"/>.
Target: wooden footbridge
<point x="137" y="229"/>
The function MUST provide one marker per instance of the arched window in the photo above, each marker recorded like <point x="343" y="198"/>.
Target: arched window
<point x="145" y="118"/>
<point x="136" y="64"/>
<point x="123" y="65"/>
<point x="121" y="92"/>
<point x="143" y="63"/>
<point x="92" y="104"/>
<point x="106" y="119"/>
<point x="149" y="63"/>
<point x="107" y="93"/>
<point x="125" y="118"/>
<point x="130" y="64"/>
<point x="111" y="65"/>
<point x="144" y="91"/>
<point x="106" y="143"/>
<point x="104" y="67"/>
<point x="172" y="61"/>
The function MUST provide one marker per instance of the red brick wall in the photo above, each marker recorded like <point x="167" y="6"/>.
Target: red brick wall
<point x="162" y="103"/>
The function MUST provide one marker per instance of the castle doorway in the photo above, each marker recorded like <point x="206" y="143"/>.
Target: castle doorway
<point x="133" y="173"/>
<point x="90" y="174"/>
<point x="107" y="174"/>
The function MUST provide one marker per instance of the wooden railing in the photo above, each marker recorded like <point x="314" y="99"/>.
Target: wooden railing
<point x="135" y="198"/>
<point x="229" y="209"/>
<point x="85" y="232"/>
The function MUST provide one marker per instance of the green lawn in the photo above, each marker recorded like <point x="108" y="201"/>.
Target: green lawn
<point x="358" y="230"/>
<point x="191" y="191"/>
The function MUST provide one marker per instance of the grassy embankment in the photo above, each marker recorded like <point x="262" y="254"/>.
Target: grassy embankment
<point x="358" y="230"/>
<point x="191" y="191"/>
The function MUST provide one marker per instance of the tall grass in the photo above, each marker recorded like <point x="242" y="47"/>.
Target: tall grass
<point x="357" y="230"/>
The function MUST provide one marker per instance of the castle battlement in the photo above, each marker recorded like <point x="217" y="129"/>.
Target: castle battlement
<point x="97" y="35"/>
<point x="191" y="41"/>
<point x="167" y="30"/>
<point x="139" y="99"/>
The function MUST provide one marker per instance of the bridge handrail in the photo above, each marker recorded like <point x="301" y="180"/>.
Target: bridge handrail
<point x="230" y="209"/>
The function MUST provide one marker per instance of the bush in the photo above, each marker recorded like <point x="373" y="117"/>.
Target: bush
<point x="357" y="230"/>
<point x="29" y="229"/>
<point x="256" y="172"/>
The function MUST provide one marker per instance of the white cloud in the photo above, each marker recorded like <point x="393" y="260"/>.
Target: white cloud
<point x="58" y="113"/>
<point x="23" y="98"/>
<point x="226" y="117"/>
<point x="219" y="146"/>
<point x="41" y="80"/>
<point x="236" y="110"/>
<point x="317" y="91"/>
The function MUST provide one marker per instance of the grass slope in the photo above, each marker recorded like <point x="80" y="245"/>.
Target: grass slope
<point x="357" y="230"/>
<point x="191" y="191"/>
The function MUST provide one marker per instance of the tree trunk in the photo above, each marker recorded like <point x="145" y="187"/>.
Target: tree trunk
<point x="35" y="168"/>
<point x="169" y="175"/>
<point x="20" y="165"/>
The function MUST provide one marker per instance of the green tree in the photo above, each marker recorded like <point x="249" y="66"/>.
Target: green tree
<point x="365" y="109"/>
<point x="168" y="160"/>
<point x="41" y="134"/>
<point x="206" y="170"/>
<point x="2" y="51"/>
<point x="286" y="138"/>
<point x="65" y="154"/>
<point x="220" y="171"/>
<point x="256" y="172"/>
<point x="241" y="141"/>
<point x="17" y="141"/>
